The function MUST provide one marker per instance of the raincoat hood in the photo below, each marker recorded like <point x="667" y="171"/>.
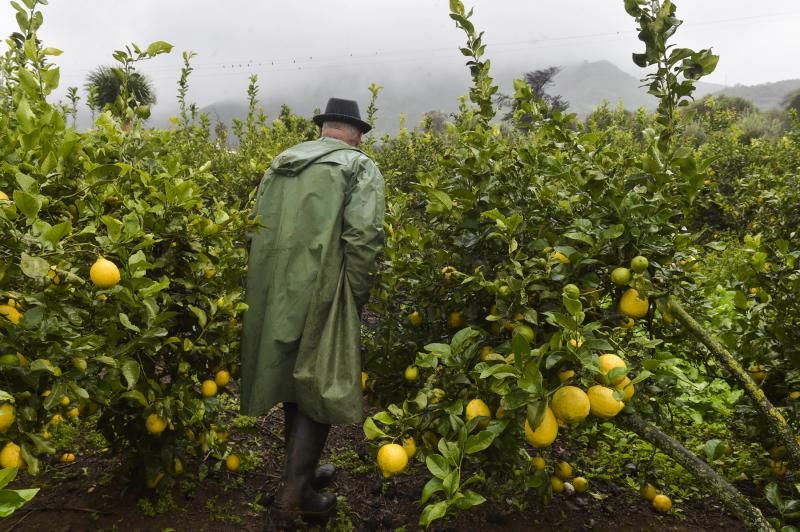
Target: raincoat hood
<point x="296" y="159"/>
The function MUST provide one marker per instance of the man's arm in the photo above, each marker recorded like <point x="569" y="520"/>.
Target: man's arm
<point x="363" y="228"/>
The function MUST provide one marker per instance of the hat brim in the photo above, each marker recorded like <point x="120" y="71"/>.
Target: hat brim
<point x="335" y="117"/>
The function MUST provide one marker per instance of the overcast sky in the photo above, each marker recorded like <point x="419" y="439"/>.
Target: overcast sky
<point x="297" y="45"/>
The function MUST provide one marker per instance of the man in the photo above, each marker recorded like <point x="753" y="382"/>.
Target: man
<point x="312" y="264"/>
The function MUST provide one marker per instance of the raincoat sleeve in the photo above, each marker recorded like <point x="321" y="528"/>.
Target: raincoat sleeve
<point x="362" y="230"/>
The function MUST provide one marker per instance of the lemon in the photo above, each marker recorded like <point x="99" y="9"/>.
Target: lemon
<point x="155" y="424"/>
<point x="11" y="314"/>
<point x="437" y="394"/>
<point x="627" y="323"/>
<point x="454" y="320"/>
<point x="3" y="196"/>
<point x="563" y="470"/>
<point x="415" y="319"/>
<point x="392" y="459"/>
<point x="67" y="458"/>
<point x="73" y="412"/>
<point x="104" y="273"/>
<point x="525" y="331"/>
<point x="545" y="434"/>
<point x="9" y="456"/>
<point x="581" y="484"/>
<point x="648" y="492"/>
<point x="576" y="343"/>
<point x="177" y="466"/>
<point x="632" y="305"/>
<point x="65" y="400"/>
<point x="410" y="446"/>
<point x="565" y="375"/>
<point x="364" y="377"/>
<point x="56" y="419"/>
<point x="662" y="503"/>
<point x="609" y="362"/>
<point x="570" y="404"/>
<point x="411" y="373"/>
<point x="602" y="402"/>
<point x="232" y="462"/>
<point x="793" y="396"/>
<point x="556" y="484"/>
<point x="538" y="463"/>
<point x="222" y="378"/>
<point x="639" y="264"/>
<point x="627" y="388"/>
<point x="7" y="416"/>
<point x="621" y="276"/>
<point x="208" y="388"/>
<point x="477" y="408"/>
<point x="559" y="257"/>
<point x="500" y="413"/>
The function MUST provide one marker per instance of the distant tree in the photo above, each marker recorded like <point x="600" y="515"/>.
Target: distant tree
<point x="721" y="111"/>
<point x="538" y="80"/>
<point x="434" y="122"/>
<point x="104" y="88"/>
<point x="792" y="101"/>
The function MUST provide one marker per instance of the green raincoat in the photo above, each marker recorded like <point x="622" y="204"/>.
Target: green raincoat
<point x="312" y="264"/>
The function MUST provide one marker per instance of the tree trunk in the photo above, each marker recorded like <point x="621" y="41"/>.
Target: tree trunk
<point x="775" y="420"/>
<point x="730" y="497"/>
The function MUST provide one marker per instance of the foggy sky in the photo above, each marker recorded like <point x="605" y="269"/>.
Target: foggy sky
<point x="299" y="46"/>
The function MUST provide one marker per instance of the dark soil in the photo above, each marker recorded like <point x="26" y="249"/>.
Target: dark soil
<point x="90" y="494"/>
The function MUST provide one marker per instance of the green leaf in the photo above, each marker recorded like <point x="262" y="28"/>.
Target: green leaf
<point x="126" y="322"/>
<point x="158" y="47"/>
<point x="11" y="500"/>
<point x="468" y="499"/>
<point x="612" y="232"/>
<point x="437" y="465"/>
<point x="33" y="267"/>
<point x="201" y="315"/>
<point x="131" y="371"/>
<point x="371" y="430"/>
<point x="432" y="512"/>
<point x="136" y="395"/>
<point x="27" y="203"/>
<point x="479" y="442"/>
<point x="451" y="483"/>
<point x="433" y="485"/>
<point x="773" y="495"/>
<point x="58" y="231"/>
<point x="7" y="474"/>
<point x="25" y="116"/>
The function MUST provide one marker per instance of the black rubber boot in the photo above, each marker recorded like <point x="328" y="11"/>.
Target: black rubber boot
<point x="324" y="474"/>
<point x="297" y="497"/>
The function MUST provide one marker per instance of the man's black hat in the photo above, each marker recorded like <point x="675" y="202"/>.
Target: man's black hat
<point x="340" y="110"/>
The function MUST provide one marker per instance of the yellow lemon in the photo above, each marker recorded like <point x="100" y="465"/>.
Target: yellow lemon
<point x="155" y="424"/>
<point x="602" y="402"/>
<point x="65" y="400"/>
<point x="177" y="466"/>
<point x="581" y="484"/>
<point x="563" y="470"/>
<point x="556" y="484"/>
<point x="364" y="377"/>
<point x="648" y="492"/>
<point x="610" y="362"/>
<point x="67" y="458"/>
<point x="208" y="388"/>
<point x="662" y="503"/>
<point x="411" y="373"/>
<point x="560" y="257"/>
<point x="410" y="446"/>
<point x="538" y="463"/>
<point x="104" y="273"/>
<point x="627" y="323"/>
<point x="222" y="378"/>
<point x="3" y="196"/>
<point x="570" y="404"/>
<point x="632" y="305"/>
<point x="56" y="419"/>
<point x="477" y="408"/>
<point x="392" y="459"/>
<point x="565" y="375"/>
<point x="7" y="416"/>
<point x="545" y="434"/>
<point x="9" y="456"/>
<point x="415" y="319"/>
<point x="73" y="412"/>
<point x="627" y="388"/>
<point x="11" y="314"/>
<point x="232" y="462"/>
<point x="454" y="320"/>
